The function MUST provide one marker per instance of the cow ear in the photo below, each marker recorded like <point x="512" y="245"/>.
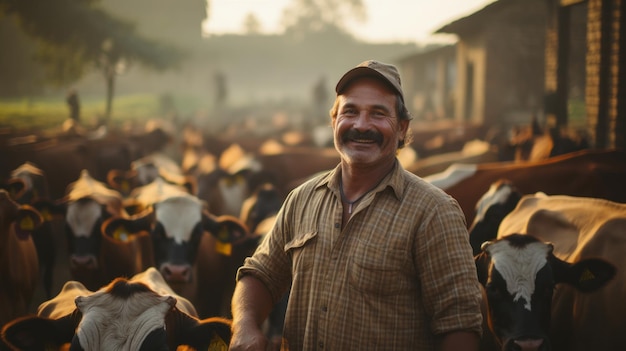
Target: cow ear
<point x="16" y="188"/>
<point x="227" y="229"/>
<point x="212" y="334"/>
<point x="27" y="221"/>
<point x="482" y="266"/>
<point x="586" y="275"/>
<point x="39" y="333"/>
<point x="48" y="209"/>
<point x="120" y="228"/>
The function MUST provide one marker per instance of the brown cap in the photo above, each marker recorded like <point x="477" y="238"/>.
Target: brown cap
<point x="387" y="72"/>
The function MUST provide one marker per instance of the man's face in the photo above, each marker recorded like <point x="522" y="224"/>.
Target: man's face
<point x="367" y="129"/>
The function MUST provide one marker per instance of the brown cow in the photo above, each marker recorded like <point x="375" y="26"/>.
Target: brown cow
<point x="19" y="272"/>
<point x="29" y="186"/>
<point x="589" y="173"/>
<point x="145" y="170"/>
<point x="142" y="313"/>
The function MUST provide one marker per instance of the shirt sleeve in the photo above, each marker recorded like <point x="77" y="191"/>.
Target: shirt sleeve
<point x="270" y="263"/>
<point x="449" y="282"/>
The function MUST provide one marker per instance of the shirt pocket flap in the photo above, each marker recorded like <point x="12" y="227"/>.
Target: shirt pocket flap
<point x="299" y="241"/>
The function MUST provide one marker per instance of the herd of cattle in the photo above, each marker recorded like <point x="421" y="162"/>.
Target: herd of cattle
<point x="120" y="243"/>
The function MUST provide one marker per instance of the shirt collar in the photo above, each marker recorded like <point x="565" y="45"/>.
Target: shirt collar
<point x="395" y="180"/>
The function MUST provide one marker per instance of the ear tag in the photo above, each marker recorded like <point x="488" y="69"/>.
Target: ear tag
<point x="27" y="224"/>
<point x="125" y="186"/>
<point x="586" y="275"/>
<point x="217" y="344"/>
<point x="24" y="227"/>
<point x="225" y="249"/>
<point x="120" y="234"/>
<point x="46" y="215"/>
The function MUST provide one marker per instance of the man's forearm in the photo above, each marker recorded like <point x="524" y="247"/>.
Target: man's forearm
<point x="251" y="302"/>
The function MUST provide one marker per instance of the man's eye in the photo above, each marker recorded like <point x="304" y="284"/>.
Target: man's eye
<point x="349" y="112"/>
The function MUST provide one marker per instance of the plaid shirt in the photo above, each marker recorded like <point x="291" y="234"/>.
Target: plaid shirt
<point x="400" y="272"/>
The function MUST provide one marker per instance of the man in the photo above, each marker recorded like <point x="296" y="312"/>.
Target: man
<point x="376" y="258"/>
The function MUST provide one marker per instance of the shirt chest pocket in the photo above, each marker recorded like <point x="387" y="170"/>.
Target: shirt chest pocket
<point x="302" y="250"/>
<point x="380" y="271"/>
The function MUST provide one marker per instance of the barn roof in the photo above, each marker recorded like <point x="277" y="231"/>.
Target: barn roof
<point x="476" y="20"/>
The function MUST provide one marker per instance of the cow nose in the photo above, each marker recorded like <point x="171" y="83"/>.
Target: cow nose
<point x="176" y="273"/>
<point x="84" y="261"/>
<point x="528" y="345"/>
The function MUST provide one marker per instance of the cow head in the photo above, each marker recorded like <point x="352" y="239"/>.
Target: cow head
<point x="83" y="219"/>
<point x="125" y="315"/>
<point x="176" y="226"/>
<point x="519" y="274"/>
<point x="491" y="208"/>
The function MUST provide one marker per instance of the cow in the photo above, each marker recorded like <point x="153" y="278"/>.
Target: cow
<point x="587" y="173"/>
<point x="224" y="182"/>
<point x="93" y="258"/>
<point x="28" y="186"/>
<point x="291" y="166"/>
<point x="19" y="266"/>
<point x="145" y="170"/>
<point x="184" y="238"/>
<point x="259" y="214"/>
<point x="140" y="313"/>
<point x="547" y="240"/>
<point x="501" y="198"/>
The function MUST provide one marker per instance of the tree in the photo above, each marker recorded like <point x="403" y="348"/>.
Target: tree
<point x="77" y="35"/>
<point x="310" y="16"/>
<point x="251" y="24"/>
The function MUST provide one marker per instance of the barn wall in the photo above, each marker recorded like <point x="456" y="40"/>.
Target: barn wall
<point x="605" y="74"/>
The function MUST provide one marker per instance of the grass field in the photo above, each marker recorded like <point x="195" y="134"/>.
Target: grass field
<point x="48" y="113"/>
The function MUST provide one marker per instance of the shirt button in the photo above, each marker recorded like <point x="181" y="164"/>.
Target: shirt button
<point x="321" y="344"/>
<point x="336" y="225"/>
<point x="324" y="309"/>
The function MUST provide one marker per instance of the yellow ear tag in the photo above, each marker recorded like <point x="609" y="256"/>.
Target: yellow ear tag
<point x="46" y="215"/>
<point x="225" y="249"/>
<point x="27" y="223"/>
<point x="120" y="234"/>
<point x="586" y="275"/>
<point x="125" y="186"/>
<point x="217" y="344"/>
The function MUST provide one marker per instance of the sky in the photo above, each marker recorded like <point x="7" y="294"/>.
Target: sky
<point x="387" y="20"/>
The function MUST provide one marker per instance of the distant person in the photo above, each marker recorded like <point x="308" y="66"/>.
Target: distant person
<point x="375" y="258"/>
<point x="74" y="105"/>
<point x="320" y="99"/>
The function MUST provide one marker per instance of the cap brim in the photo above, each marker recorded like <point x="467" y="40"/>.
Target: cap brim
<point x="359" y="72"/>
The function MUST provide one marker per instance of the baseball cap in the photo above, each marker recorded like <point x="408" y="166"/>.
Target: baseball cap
<point x="372" y="68"/>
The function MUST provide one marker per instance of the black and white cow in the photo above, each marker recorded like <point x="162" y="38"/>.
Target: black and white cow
<point x="86" y="205"/>
<point x="184" y="237"/>
<point x="142" y="313"/>
<point x="491" y="208"/>
<point x="519" y="273"/>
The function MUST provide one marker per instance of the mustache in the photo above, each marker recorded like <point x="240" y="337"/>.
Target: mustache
<point x="353" y="134"/>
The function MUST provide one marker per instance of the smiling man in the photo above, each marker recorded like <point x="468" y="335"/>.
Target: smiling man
<point x="376" y="258"/>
